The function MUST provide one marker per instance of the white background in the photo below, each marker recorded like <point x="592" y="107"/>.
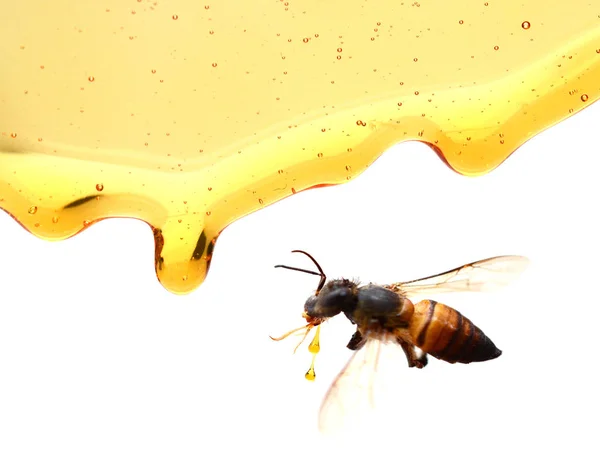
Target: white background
<point x="99" y="362"/>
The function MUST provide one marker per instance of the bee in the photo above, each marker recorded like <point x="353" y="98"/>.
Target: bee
<point x="385" y="314"/>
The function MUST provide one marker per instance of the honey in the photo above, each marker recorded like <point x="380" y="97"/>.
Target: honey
<point x="189" y="116"/>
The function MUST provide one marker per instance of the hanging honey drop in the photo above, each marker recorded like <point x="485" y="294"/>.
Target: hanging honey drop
<point x="310" y="374"/>
<point x="314" y="347"/>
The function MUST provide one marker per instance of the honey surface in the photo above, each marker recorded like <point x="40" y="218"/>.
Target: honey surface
<point x="189" y="115"/>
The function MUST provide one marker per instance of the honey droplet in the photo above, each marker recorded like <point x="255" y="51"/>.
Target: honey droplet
<point x="314" y="348"/>
<point x="91" y="78"/>
<point x="310" y="374"/>
<point x="99" y="187"/>
<point x="32" y="210"/>
<point x="175" y="17"/>
<point x="525" y="25"/>
<point x="584" y="97"/>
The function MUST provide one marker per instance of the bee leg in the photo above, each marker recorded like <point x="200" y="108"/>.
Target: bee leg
<point x="356" y="342"/>
<point x="414" y="359"/>
<point x="422" y="359"/>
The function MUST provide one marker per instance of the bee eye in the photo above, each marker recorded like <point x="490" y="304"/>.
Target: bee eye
<point x="309" y="305"/>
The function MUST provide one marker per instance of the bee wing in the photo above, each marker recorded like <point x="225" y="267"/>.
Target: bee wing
<point x="480" y="276"/>
<point x="351" y="396"/>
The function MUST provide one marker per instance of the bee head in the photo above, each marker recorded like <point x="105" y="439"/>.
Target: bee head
<point x="336" y="296"/>
<point x="329" y="300"/>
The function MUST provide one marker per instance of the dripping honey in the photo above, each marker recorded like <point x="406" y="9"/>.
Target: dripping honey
<point x="189" y="129"/>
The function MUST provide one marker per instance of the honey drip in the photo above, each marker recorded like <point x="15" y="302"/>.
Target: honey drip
<point x="188" y="117"/>
<point x="314" y="347"/>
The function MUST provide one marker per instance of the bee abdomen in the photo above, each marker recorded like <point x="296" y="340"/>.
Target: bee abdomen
<point x="446" y="334"/>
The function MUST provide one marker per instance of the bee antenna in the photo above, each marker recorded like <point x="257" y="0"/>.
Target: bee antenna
<point x="320" y="273"/>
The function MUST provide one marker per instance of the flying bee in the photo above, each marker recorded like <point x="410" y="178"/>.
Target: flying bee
<point x="385" y="314"/>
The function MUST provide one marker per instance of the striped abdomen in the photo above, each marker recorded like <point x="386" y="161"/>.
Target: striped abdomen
<point x="446" y="334"/>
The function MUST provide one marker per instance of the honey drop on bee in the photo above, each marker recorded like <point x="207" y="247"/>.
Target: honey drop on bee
<point x="310" y="374"/>
<point x="314" y="347"/>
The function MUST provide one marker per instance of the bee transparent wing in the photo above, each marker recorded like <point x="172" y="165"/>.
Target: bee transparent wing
<point x="352" y="397"/>
<point x="480" y="276"/>
<point x="351" y="393"/>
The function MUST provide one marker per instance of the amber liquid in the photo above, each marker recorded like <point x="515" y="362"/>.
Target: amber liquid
<point x="190" y="115"/>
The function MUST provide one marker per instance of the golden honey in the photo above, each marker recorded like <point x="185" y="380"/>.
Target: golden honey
<point x="190" y="115"/>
